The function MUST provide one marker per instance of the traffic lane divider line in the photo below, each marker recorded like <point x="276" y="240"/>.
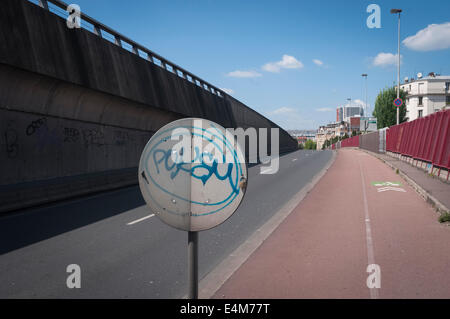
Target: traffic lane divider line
<point x="369" y="240"/>
<point x="140" y="219"/>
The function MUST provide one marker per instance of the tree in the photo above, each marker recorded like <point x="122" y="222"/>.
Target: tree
<point x="310" y="145"/>
<point x="385" y="111"/>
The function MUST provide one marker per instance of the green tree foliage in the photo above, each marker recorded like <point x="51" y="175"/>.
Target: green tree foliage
<point x="326" y="144"/>
<point x="385" y="111"/>
<point x="310" y="145"/>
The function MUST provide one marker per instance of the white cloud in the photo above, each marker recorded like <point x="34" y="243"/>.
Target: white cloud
<point x="244" y="74"/>
<point x="227" y="91"/>
<point x="385" y="59"/>
<point x="433" y="37"/>
<point x="318" y="62"/>
<point x="287" y="62"/>
<point x="282" y="110"/>
<point x="324" y="109"/>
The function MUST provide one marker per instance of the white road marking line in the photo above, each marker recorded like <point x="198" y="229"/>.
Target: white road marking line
<point x="294" y="159"/>
<point x="383" y="189"/>
<point x="386" y="184"/>
<point x="140" y="219"/>
<point x="265" y="171"/>
<point x="369" y="241"/>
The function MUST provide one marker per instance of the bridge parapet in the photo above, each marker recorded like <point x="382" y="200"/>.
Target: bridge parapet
<point x="102" y="31"/>
<point x="93" y="103"/>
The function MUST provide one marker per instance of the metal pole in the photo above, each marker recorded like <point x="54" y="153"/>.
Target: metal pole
<point x="192" y="265"/>
<point x="398" y="70"/>
<point x="365" y="103"/>
<point x="366" y="99"/>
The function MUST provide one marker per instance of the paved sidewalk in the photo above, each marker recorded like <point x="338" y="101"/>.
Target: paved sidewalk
<point x="323" y="248"/>
<point x="430" y="186"/>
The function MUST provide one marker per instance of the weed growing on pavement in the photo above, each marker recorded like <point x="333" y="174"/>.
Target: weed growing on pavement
<point x="445" y="217"/>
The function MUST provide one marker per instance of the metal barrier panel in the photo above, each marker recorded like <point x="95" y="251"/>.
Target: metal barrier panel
<point x="429" y="136"/>
<point x="370" y="141"/>
<point x="443" y="148"/>
<point x="436" y="131"/>
<point x="410" y="131"/>
<point x="382" y="140"/>
<point x="419" y="137"/>
<point x="426" y="139"/>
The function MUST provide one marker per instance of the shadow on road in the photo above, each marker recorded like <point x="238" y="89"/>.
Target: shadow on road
<point x="29" y="226"/>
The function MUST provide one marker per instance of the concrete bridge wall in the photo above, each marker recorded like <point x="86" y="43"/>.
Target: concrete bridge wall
<point x="76" y="110"/>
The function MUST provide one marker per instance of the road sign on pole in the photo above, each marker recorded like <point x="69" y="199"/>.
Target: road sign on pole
<point x="398" y="102"/>
<point x="193" y="176"/>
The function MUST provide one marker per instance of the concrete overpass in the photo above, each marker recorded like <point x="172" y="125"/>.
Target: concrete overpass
<point x="77" y="106"/>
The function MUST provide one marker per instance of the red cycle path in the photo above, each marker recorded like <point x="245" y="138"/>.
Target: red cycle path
<point x="322" y="250"/>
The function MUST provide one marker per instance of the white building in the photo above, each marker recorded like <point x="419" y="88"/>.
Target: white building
<point x="426" y="95"/>
<point x="352" y="110"/>
<point x="368" y="124"/>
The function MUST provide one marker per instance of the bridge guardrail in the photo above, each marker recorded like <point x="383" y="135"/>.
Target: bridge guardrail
<point x="425" y="139"/>
<point x="122" y="41"/>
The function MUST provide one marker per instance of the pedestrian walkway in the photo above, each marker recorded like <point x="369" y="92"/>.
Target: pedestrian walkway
<point x="360" y="213"/>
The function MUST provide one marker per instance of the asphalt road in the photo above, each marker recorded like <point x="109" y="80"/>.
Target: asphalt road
<point x="124" y="253"/>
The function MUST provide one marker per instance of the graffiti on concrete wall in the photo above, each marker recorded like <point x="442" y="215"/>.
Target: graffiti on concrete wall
<point x="93" y="137"/>
<point x="71" y="135"/>
<point x="36" y="125"/>
<point x="121" y="138"/>
<point x="45" y="136"/>
<point x="11" y="141"/>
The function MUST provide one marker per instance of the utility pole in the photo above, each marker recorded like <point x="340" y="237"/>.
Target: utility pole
<point x="394" y="11"/>
<point x="364" y="75"/>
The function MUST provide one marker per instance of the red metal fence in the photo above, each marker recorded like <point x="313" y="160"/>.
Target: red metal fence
<point x="350" y="142"/>
<point x="426" y="139"/>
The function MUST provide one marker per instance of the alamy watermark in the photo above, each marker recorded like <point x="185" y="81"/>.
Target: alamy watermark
<point x="74" y="18"/>
<point x="74" y="279"/>
<point x="191" y="148"/>
<point x="374" y="278"/>
<point x="374" y="19"/>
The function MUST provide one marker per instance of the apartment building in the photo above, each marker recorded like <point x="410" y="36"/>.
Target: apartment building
<point x="426" y="95"/>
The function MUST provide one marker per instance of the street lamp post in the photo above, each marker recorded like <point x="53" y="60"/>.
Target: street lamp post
<point x="365" y="103"/>
<point x="364" y="75"/>
<point x="394" y="11"/>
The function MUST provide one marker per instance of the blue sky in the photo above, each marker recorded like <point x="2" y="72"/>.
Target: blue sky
<point x="222" y="41"/>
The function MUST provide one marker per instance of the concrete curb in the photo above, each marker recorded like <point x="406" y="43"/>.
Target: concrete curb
<point x="440" y="208"/>
<point x="212" y="282"/>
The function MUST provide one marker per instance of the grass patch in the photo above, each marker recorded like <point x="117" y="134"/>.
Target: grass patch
<point x="445" y="217"/>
